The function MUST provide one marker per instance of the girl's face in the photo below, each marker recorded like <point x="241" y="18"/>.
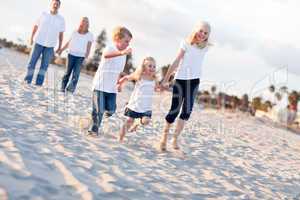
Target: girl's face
<point x="202" y="34"/>
<point x="84" y="25"/>
<point x="149" y="67"/>
<point x="123" y="43"/>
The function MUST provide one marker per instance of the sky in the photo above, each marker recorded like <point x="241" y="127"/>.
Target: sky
<point x="255" y="43"/>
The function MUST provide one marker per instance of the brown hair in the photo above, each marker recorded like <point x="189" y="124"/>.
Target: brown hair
<point x="120" y="32"/>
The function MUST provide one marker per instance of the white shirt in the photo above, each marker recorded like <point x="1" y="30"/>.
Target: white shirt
<point x="78" y="43"/>
<point x="191" y="64"/>
<point x="142" y="95"/>
<point x="106" y="77"/>
<point x="49" y="27"/>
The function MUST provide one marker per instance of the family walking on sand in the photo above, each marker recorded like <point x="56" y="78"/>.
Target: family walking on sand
<point x="108" y="81"/>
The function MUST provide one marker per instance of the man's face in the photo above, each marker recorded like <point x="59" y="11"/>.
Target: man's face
<point x="55" y="5"/>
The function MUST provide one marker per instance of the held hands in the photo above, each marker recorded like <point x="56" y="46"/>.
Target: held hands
<point x="59" y="51"/>
<point x="120" y="83"/>
<point x="164" y="85"/>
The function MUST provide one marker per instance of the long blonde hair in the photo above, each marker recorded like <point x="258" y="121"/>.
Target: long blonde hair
<point x="191" y="38"/>
<point x="139" y="71"/>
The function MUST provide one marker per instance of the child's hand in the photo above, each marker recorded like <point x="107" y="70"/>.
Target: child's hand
<point x="119" y="87"/>
<point x="164" y="85"/>
<point x="127" y="51"/>
<point x="59" y="51"/>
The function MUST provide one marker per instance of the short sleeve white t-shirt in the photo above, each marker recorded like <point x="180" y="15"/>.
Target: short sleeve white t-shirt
<point x="78" y="43"/>
<point x="141" y="97"/>
<point x="106" y="77"/>
<point x="190" y="66"/>
<point x="49" y="27"/>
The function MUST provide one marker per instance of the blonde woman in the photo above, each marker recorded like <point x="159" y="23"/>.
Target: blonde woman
<point x="79" y="48"/>
<point x="188" y="64"/>
<point x="140" y="102"/>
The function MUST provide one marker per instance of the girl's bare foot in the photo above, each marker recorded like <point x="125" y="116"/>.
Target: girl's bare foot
<point x="163" y="146"/>
<point x="175" y="144"/>
<point x="133" y="128"/>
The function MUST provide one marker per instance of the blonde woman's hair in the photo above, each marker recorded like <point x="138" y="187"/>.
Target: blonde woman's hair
<point x="139" y="71"/>
<point x="87" y="19"/>
<point x="120" y="32"/>
<point x="191" y="38"/>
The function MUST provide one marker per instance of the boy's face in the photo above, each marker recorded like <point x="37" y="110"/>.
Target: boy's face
<point x="55" y="5"/>
<point x="123" y="43"/>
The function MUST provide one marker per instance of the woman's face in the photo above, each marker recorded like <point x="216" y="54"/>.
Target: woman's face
<point x="84" y="24"/>
<point x="202" y="34"/>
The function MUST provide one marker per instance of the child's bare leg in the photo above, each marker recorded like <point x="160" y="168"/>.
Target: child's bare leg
<point x="179" y="128"/>
<point x="128" y="123"/>
<point x="145" y="121"/>
<point x="134" y="127"/>
<point x="163" y="142"/>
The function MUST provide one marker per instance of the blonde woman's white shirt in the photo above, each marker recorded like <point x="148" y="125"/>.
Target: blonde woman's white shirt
<point x="78" y="43"/>
<point x="106" y="77"/>
<point x="190" y="66"/>
<point x="141" y="97"/>
<point x="49" y="27"/>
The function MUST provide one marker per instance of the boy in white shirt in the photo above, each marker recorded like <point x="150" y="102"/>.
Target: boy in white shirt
<point x="105" y="80"/>
<point x="49" y="27"/>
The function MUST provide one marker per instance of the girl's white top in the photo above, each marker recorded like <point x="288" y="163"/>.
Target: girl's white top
<point x="106" y="77"/>
<point x="78" y="43"/>
<point x="190" y="66"/>
<point x="142" y="95"/>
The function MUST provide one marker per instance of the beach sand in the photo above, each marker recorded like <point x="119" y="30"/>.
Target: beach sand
<point x="43" y="154"/>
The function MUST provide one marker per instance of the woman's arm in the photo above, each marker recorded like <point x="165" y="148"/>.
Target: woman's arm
<point x="174" y="65"/>
<point x="64" y="48"/>
<point x="88" y="49"/>
<point x="172" y="68"/>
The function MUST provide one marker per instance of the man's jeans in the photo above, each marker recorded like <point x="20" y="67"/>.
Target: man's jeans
<point x="47" y="54"/>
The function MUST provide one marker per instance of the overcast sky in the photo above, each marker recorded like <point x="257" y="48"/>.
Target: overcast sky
<point x="255" y="43"/>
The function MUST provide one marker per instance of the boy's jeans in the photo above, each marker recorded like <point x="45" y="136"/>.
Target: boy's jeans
<point x="102" y="101"/>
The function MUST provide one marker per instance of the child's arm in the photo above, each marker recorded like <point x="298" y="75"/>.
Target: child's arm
<point x="124" y="79"/>
<point x="173" y="67"/>
<point x="113" y="54"/>
<point x="64" y="48"/>
<point x="157" y="87"/>
<point x="88" y="49"/>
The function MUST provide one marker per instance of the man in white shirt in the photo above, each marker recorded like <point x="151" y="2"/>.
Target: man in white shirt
<point x="48" y="29"/>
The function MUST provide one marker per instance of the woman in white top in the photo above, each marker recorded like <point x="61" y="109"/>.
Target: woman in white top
<point x="79" y="48"/>
<point x="187" y="78"/>
<point x="140" y="102"/>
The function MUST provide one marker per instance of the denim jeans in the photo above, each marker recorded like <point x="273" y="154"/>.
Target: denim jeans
<point x="74" y="65"/>
<point x="183" y="97"/>
<point x="47" y="54"/>
<point x="102" y="101"/>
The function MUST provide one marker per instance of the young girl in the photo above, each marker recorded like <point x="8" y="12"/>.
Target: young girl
<point x="187" y="79"/>
<point x="79" y="49"/>
<point x="140" y="102"/>
<point x="105" y="80"/>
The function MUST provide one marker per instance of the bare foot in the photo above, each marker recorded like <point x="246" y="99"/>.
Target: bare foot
<point x="163" y="146"/>
<point x="175" y="144"/>
<point x="133" y="128"/>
